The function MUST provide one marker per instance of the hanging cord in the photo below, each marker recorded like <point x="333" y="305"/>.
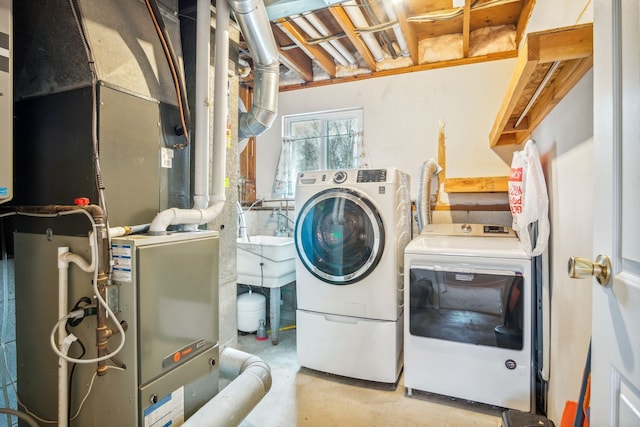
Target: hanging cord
<point x="73" y="368"/>
<point x="94" y="128"/>
<point x="5" y="318"/>
<point x="181" y="91"/>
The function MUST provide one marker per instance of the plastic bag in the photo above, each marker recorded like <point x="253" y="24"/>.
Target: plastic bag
<point x="528" y="199"/>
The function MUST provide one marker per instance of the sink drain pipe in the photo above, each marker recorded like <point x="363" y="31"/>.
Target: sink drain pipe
<point x="234" y="402"/>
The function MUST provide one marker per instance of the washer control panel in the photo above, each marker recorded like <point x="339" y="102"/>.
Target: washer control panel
<point x="372" y="175"/>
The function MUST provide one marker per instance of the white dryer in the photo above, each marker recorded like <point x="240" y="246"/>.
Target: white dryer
<point x="469" y="315"/>
<point x="351" y="230"/>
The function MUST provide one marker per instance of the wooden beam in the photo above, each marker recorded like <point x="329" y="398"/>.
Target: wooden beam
<point x="324" y="60"/>
<point x="571" y="49"/>
<point x="408" y="32"/>
<point x="490" y="184"/>
<point x="294" y="59"/>
<point x="466" y="24"/>
<point x="523" y="20"/>
<point x="565" y="79"/>
<point x="347" y="26"/>
<point x="413" y="69"/>
<point x="519" y="79"/>
<point x="561" y="43"/>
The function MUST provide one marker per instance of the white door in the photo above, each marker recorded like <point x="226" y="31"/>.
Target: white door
<point x="615" y="363"/>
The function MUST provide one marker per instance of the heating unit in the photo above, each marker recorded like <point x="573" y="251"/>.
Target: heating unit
<point x="468" y="315"/>
<point x="351" y="230"/>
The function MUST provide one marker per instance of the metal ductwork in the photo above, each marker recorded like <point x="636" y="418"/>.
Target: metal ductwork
<point x="256" y="28"/>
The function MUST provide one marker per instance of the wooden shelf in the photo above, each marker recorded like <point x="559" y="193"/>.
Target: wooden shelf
<point x="549" y="64"/>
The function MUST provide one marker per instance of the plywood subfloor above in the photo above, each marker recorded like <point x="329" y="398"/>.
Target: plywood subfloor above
<point x="549" y="64"/>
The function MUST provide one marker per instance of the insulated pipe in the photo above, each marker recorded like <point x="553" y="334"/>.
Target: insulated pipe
<point x="359" y="21"/>
<point x="391" y="13"/>
<point x="316" y="29"/>
<point x="256" y="28"/>
<point x="428" y="170"/>
<point x="63" y="366"/>
<point x="313" y="20"/>
<point x="233" y="403"/>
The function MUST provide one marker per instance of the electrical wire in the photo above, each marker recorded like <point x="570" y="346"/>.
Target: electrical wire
<point x="94" y="127"/>
<point x="5" y="316"/>
<point x="19" y="414"/>
<point x="84" y="399"/>
<point x="73" y="368"/>
<point x="101" y="300"/>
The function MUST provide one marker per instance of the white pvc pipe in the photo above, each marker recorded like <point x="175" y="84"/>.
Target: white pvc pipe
<point x="203" y="104"/>
<point x="316" y="29"/>
<point x="391" y="13"/>
<point x="254" y="23"/>
<point x="63" y="367"/>
<point x="359" y="21"/>
<point x="233" y="403"/>
<point x="220" y="102"/>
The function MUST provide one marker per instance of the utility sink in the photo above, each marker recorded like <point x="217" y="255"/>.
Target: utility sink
<point x="267" y="261"/>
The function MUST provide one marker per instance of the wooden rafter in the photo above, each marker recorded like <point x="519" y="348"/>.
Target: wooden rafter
<point x="345" y="23"/>
<point x="408" y="32"/>
<point x="550" y="63"/>
<point x="466" y="25"/>
<point x="294" y="59"/>
<point x="324" y="60"/>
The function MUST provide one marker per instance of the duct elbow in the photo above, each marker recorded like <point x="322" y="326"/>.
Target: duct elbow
<point x="254" y="24"/>
<point x="161" y="221"/>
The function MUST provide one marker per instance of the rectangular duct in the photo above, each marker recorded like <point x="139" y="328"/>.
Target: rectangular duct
<point x="144" y="163"/>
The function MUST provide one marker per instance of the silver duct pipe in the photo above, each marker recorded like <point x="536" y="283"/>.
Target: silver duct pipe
<point x="254" y="24"/>
<point x="233" y="403"/>
<point x="429" y="169"/>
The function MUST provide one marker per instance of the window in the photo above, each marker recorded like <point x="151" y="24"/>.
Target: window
<point x="318" y="141"/>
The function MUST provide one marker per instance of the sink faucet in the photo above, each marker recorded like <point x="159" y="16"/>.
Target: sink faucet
<point x="242" y="224"/>
<point x="282" y="228"/>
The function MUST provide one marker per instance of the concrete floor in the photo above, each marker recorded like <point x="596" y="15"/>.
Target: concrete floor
<point x="303" y="397"/>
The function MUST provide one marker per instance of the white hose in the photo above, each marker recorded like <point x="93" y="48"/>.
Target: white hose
<point x="80" y="313"/>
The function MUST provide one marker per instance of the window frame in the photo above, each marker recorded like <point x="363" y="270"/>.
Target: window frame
<point x="324" y="117"/>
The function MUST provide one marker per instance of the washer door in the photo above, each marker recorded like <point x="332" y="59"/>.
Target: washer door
<point x="339" y="236"/>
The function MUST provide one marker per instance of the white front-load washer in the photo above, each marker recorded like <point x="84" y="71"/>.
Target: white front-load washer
<point x="351" y="230"/>
<point x="469" y="315"/>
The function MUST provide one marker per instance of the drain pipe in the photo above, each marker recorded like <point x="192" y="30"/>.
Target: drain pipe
<point x="254" y="24"/>
<point x="233" y="403"/>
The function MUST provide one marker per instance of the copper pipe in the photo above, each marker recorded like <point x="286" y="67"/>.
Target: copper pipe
<point x="103" y="333"/>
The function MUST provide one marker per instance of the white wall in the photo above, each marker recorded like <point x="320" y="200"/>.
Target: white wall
<point x="401" y="119"/>
<point x="565" y="140"/>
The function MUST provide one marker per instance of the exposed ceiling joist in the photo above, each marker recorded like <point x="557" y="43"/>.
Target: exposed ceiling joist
<point x="355" y="39"/>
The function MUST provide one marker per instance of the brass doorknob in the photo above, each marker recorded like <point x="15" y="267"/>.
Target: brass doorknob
<point x="582" y="268"/>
